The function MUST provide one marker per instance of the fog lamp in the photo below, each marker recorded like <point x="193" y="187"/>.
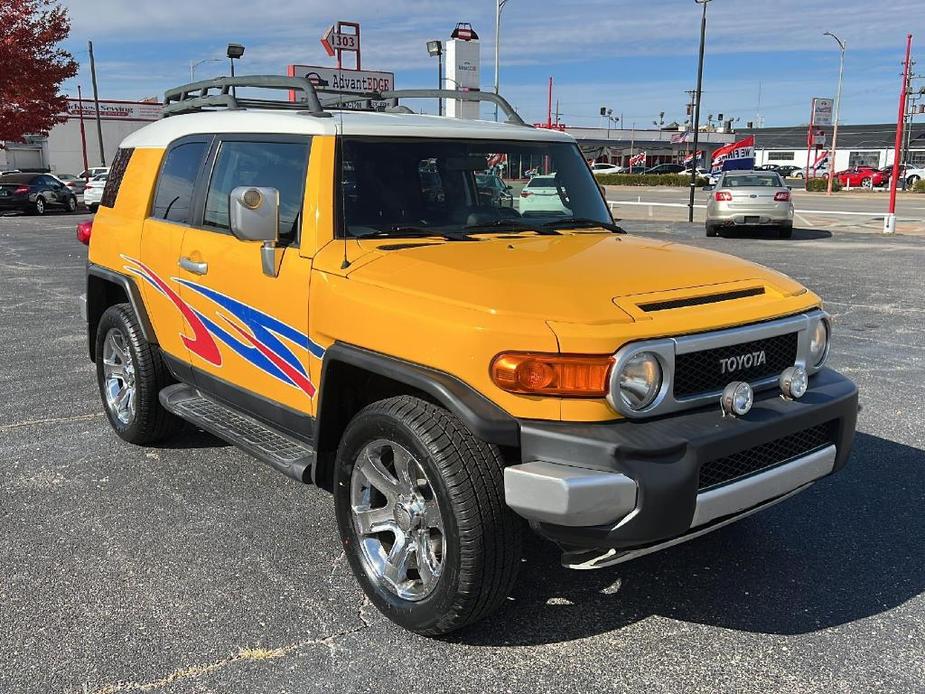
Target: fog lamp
<point x="793" y="382"/>
<point x="737" y="399"/>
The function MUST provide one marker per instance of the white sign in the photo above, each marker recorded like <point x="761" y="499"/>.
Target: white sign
<point x="462" y="72"/>
<point x="822" y="111"/>
<point x="115" y="110"/>
<point x="340" y="80"/>
<point x="335" y="41"/>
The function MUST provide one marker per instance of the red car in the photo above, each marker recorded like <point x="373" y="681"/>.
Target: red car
<point x="865" y="176"/>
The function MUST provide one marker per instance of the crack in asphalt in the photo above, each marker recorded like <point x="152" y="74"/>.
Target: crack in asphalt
<point x="51" y="420"/>
<point x="243" y="655"/>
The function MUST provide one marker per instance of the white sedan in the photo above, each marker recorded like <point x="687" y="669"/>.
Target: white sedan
<point x="542" y="195"/>
<point x="93" y="193"/>
<point x="600" y="169"/>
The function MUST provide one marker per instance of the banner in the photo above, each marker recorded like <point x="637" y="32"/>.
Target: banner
<point x="638" y="159"/>
<point x="690" y="157"/>
<point x="738" y="155"/>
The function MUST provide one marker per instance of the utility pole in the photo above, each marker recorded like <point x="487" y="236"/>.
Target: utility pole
<point x="889" y="222"/>
<point x="703" y="37"/>
<point x="549" y="106"/>
<point x="499" y="5"/>
<point x="96" y="103"/>
<point x="83" y="132"/>
<point x="841" y="74"/>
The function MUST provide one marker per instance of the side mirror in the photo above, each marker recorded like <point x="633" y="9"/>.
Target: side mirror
<point x="254" y="216"/>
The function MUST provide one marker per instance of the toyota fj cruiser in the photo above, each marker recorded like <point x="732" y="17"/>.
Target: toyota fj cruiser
<point x="329" y="289"/>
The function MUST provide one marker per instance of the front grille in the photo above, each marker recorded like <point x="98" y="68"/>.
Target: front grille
<point x="767" y="455"/>
<point x="702" y="372"/>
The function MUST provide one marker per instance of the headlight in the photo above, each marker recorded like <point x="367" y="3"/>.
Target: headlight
<point x="640" y="380"/>
<point x="818" y="343"/>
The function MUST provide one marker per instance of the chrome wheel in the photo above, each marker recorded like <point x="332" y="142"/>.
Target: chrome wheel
<point x="39" y="206"/>
<point x="397" y="520"/>
<point x="118" y="377"/>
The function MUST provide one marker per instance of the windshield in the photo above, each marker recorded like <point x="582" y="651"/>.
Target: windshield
<point x="394" y="187"/>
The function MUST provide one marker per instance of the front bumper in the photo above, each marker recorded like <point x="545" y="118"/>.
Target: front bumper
<point x="634" y="484"/>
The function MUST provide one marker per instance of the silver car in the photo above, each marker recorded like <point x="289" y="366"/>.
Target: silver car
<point x="749" y="198"/>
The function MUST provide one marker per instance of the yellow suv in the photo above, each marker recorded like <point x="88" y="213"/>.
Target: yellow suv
<point x="340" y="293"/>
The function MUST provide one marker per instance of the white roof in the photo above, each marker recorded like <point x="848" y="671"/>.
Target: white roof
<point x="163" y="132"/>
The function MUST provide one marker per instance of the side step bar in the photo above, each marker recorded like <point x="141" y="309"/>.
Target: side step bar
<point x="285" y="454"/>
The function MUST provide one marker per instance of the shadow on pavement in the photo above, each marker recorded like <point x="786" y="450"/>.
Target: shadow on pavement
<point x="848" y="548"/>
<point x="771" y="233"/>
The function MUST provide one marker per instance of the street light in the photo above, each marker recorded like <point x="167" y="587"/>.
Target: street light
<point x="841" y="73"/>
<point x="703" y="36"/>
<point x="193" y="66"/>
<point x="235" y="51"/>
<point x="435" y="48"/>
<point x="499" y="5"/>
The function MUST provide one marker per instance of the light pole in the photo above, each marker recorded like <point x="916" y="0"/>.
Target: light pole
<point x="499" y="5"/>
<point x="435" y="48"/>
<point x="703" y="36"/>
<point x="194" y="65"/>
<point x="841" y="73"/>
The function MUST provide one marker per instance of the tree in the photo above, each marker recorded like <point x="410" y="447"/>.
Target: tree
<point x="32" y="66"/>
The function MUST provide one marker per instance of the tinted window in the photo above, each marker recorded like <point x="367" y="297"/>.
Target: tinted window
<point x="544" y="182"/>
<point x="17" y="178"/>
<point x="176" y="181"/>
<point x="279" y="165"/>
<point x="768" y="180"/>
<point x="114" y="179"/>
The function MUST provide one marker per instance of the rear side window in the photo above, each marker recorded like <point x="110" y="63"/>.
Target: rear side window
<point x="177" y="180"/>
<point x="280" y="165"/>
<point x="116" y="172"/>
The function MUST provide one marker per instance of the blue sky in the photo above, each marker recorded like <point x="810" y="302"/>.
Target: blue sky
<point x="635" y="57"/>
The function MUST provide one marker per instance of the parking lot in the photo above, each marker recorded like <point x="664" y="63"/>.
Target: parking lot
<point x="193" y="568"/>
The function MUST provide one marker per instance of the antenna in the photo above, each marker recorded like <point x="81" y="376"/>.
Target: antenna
<point x="339" y="158"/>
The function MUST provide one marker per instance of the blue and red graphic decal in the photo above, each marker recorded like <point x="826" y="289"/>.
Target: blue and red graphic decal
<point x="264" y="341"/>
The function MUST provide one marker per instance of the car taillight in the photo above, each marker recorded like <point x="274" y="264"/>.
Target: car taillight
<point x="722" y="196"/>
<point x="525" y="194"/>
<point x="782" y="196"/>
<point x="22" y="190"/>
<point x="84" y="230"/>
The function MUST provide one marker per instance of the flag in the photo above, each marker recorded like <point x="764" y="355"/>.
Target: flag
<point x="690" y="157"/>
<point x="638" y="159"/>
<point x="821" y="160"/>
<point x="496" y="159"/>
<point x="738" y="155"/>
<point x="682" y="137"/>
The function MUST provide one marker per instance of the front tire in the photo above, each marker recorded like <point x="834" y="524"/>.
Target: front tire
<point x="421" y="513"/>
<point x="130" y="374"/>
<point x="38" y="207"/>
<point x="867" y="183"/>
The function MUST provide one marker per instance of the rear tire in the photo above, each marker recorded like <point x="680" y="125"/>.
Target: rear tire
<point x="785" y="232"/>
<point x="436" y="548"/>
<point x="93" y="207"/>
<point x="867" y="183"/>
<point x="38" y="207"/>
<point x="72" y="204"/>
<point x="712" y="230"/>
<point x="130" y="374"/>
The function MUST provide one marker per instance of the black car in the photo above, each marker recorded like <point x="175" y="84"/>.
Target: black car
<point x="666" y="169"/>
<point x="34" y="193"/>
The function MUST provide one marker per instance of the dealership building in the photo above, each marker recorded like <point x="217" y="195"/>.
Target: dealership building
<point x="62" y="150"/>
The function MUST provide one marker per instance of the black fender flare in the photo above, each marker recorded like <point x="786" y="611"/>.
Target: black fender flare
<point x="99" y="299"/>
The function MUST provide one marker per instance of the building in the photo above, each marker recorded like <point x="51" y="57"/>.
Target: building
<point x="870" y="145"/>
<point x="62" y="150"/>
<point x="616" y="145"/>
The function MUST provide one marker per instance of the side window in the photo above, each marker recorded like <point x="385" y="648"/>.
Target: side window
<point x="280" y="165"/>
<point x="177" y="180"/>
<point x="114" y="180"/>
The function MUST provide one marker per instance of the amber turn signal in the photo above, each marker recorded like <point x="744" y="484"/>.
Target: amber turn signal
<point x="566" y="375"/>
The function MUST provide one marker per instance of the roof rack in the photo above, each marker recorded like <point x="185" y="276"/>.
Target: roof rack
<point x="220" y="93"/>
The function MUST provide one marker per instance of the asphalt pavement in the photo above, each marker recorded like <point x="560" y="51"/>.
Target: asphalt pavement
<point x="190" y="567"/>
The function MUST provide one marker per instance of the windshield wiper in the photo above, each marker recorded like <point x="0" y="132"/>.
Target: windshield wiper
<point x="511" y="225"/>
<point x="583" y="223"/>
<point x="404" y="232"/>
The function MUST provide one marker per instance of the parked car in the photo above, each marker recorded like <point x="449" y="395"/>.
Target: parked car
<point x="785" y="170"/>
<point x="87" y="174"/>
<point x="767" y="167"/>
<point x="35" y="193"/>
<point x="861" y="176"/>
<point x="74" y="183"/>
<point x="637" y="169"/>
<point x="800" y="172"/>
<point x="93" y="193"/>
<point x="749" y="198"/>
<point x="665" y="169"/>
<point x="913" y="174"/>
<point x="453" y="374"/>
<point x="542" y="195"/>
<point x="494" y="190"/>
<point x="601" y="168"/>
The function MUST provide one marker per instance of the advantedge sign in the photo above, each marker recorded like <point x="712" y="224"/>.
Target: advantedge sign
<point x="334" y="79"/>
<point x="115" y="110"/>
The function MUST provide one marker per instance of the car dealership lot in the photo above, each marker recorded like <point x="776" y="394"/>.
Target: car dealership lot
<point x="193" y="568"/>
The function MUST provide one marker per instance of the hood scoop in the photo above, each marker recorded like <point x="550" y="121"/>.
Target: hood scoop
<point x="666" y="305"/>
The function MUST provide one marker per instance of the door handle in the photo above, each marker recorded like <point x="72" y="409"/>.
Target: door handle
<point x="191" y="265"/>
